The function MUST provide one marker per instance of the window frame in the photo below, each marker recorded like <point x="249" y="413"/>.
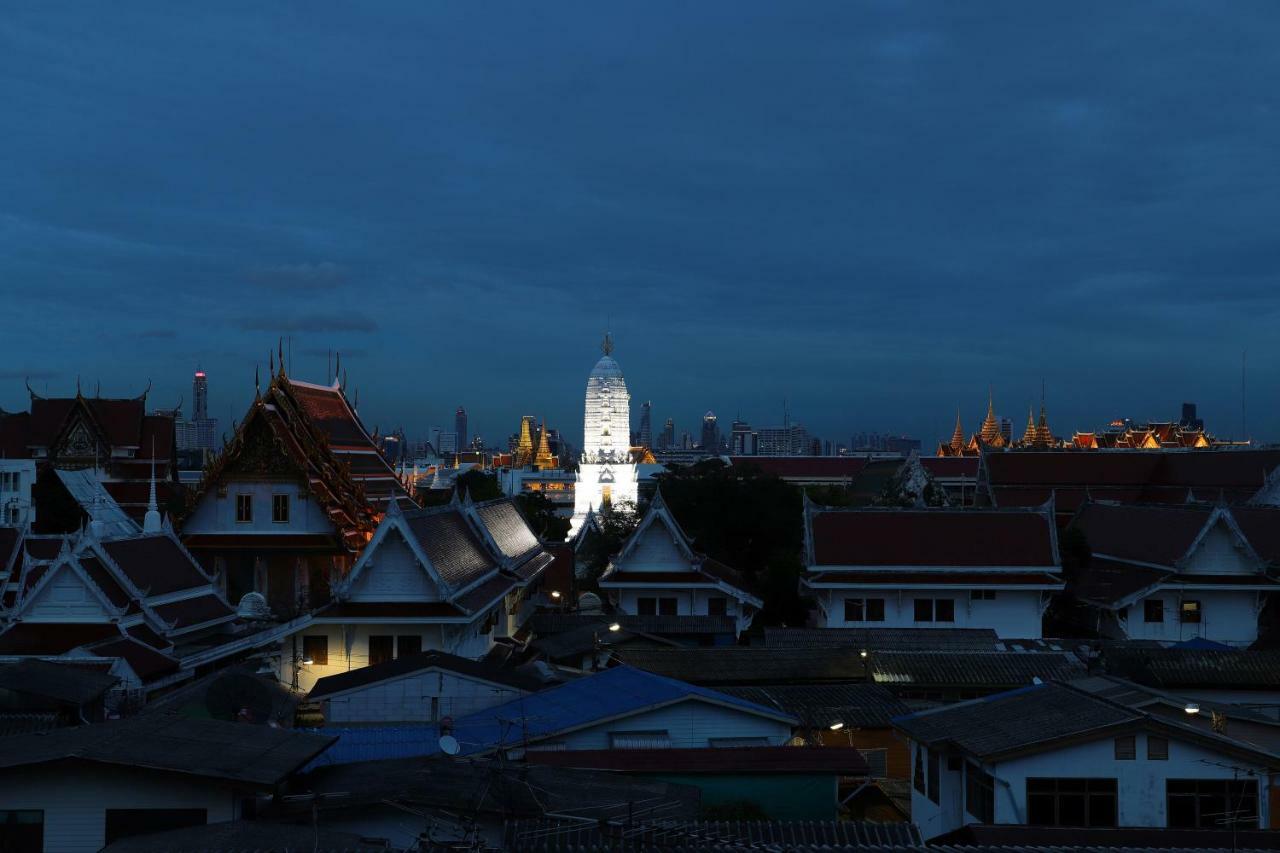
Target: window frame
<point x="949" y="604"/>
<point x="1153" y="607"/>
<point x="1203" y="792"/>
<point x="647" y="605"/>
<point x="1157" y="755"/>
<point x="390" y="643"/>
<point x="1126" y="748"/>
<point x="721" y="603"/>
<point x="413" y="639"/>
<point x="979" y="781"/>
<point x="1092" y="789"/>
<point x="310" y="644"/>
<point x="1197" y="608"/>
<point x="668" y="603"/>
<point x="279" y="500"/>
<point x="244" y="500"/>
<point x="927" y="603"/>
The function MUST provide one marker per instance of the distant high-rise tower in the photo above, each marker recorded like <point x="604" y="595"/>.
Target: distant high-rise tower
<point x="460" y="426"/>
<point x="710" y="433"/>
<point x="646" y="424"/>
<point x="668" y="435"/>
<point x="200" y="396"/>
<point x="743" y="440"/>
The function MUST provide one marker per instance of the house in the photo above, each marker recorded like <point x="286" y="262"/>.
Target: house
<point x="749" y="665"/>
<point x="114" y="438"/>
<point x="1172" y="573"/>
<point x="690" y="630"/>
<point x="56" y="694"/>
<point x="924" y="568"/>
<point x="17" y="477"/>
<point x="778" y="782"/>
<point x="78" y="789"/>
<point x="1055" y="755"/>
<point x="657" y="573"/>
<point x="140" y="601"/>
<point x="286" y="508"/>
<point x="618" y="708"/>
<point x="899" y="639"/>
<point x="1227" y="676"/>
<point x="952" y="676"/>
<point x="421" y="688"/>
<point x="1028" y="478"/>
<point x="448" y="579"/>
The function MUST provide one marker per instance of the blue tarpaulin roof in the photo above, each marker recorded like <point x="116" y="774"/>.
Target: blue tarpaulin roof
<point x="613" y="693"/>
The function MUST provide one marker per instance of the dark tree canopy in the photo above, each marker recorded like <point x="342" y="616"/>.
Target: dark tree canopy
<point x="540" y="512"/>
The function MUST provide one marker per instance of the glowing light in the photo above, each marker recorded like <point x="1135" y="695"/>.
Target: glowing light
<point x="1192" y="708"/>
<point x="614" y="626"/>
<point x="307" y="661"/>
<point x="555" y="593"/>
<point x="863" y="653"/>
<point x="835" y="727"/>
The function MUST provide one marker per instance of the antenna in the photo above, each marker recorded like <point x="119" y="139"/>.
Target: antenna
<point x="1244" y="422"/>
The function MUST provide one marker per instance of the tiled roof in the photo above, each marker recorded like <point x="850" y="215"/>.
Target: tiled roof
<point x="47" y="638"/>
<point x="950" y="639"/>
<point x="237" y="751"/>
<point x="69" y="684"/>
<point x="194" y="611"/>
<point x="508" y="528"/>
<point x="906" y="537"/>
<point x="804" y="467"/>
<point x="1009" y="722"/>
<point x="1143" y="533"/>
<point x="402" y="666"/>
<point x="865" y="705"/>
<point x="247" y="836"/>
<point x="1202" y="668"/>
<point x="991" y="670"/>
<point x="550" y="836"/>
<point x="951" y="467"/>
<point x="1051" y="839"/>
<point x="155" y="564"/>
<point x="549" y="623"/>
<point x="1109" y="583"/>
<point x="144" y="660"/>
<point x="942" y="578"/>
<point x="743" y="665"/>
<point x="1261" y="526"/>
<point x="450" y="545"/>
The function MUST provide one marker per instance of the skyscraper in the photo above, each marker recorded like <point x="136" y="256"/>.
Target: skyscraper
<point x="197" y="433"/>
<point x="460" y="426"/>
<point x="742" y="440"/>
<point x="710" y="433"/>
<point x="646" y="424"/>
<point x="668" y="435"/>
<point x="200" y="395"/>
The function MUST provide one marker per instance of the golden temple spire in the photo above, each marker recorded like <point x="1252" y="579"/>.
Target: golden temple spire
<point x="957" y="437"/>
<point x="990" y="432"/>
<point x="1029" y="437"/>
<point x="544" y="459"/>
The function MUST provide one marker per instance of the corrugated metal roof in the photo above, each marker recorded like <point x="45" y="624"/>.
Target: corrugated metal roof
<point x="546" y="836"/>
<point x="864" y="705"/>
<point x="951" y="639"/>
<point x="971" y="669"/>
<point x="88" y="491"/>
<point x="744" y="665"/>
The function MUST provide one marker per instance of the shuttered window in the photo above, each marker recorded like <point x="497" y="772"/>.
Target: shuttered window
<point x="640" y="740"/>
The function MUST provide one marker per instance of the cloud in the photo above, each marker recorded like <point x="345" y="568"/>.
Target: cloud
<point x="318" y="321"/>
<point x="300" y="277"/>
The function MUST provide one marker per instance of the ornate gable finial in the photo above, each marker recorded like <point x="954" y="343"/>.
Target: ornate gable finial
<point x="271" y="364"/>
<point x="280" y="353"/>
<point x="606" y="346"/>
<point x="31" y="391"/>
<point x="77" y="384"/>
<point x="257" y="383"/>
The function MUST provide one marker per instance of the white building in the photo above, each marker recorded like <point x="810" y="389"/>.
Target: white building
<point x="1056" y="755"/>
<point x="1174" y="573"/>
<point x="17" y="476"/>
<point x="932" y="568"/>
<point x="606" y="471"/>
<point x="657" y="573"/>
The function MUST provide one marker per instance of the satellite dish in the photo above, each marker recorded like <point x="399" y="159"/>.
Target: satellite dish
<point x="237" y="696"/>
<point x="449" y="744"/>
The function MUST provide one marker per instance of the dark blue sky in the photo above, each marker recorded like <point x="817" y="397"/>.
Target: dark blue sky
<point x="871" y="209"/>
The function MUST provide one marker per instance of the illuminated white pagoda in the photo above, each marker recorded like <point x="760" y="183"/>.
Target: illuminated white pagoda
<point x="606" y="472"/>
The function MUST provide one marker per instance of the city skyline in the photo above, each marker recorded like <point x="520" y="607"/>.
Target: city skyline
<point x="876" y="234"/>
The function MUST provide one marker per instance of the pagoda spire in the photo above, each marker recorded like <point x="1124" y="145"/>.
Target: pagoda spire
<point x="957" y="437"/>
<point x="990" y="432"/>
<point x="151" y="521"/>
<point x="1029" y="437"/>
<point x="606" y="346"/>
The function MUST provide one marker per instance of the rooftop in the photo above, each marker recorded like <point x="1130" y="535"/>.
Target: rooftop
<point x="402" y="666"/>
<point x="746" y="665"/>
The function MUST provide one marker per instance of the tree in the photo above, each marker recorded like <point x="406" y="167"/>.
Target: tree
<point x="476" y="483"/>
<point x="541" y="514"/>
<point x="617" y="522"/>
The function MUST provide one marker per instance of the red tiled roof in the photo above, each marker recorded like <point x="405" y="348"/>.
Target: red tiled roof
<point x="1261" y="526"/>
<point x="890" y="579"/>
<point x="831" y="760"/>
<point x="1141" y="533"/>
<point x="8" y="550"/>
<point x="142" y="659"/>
<point x="102" y="578"/>
<point x="951" y="466"/>
<point x="931" y="538"/>
<point x="47" y="638"/>
<point x="262" y="542"/>
<point x="804" y="467"/>
<point x="144" y="634"/>
<point x="155" y="564"/>
<point x="194" y="611"/>
<point x="1156" y="475"/>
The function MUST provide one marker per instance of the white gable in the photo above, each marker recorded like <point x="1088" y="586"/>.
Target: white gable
<point x="65" y="597"/>
<point x="392" y="573"/>
<point x="654" y="551"/>
<point x="1220" y="553"/>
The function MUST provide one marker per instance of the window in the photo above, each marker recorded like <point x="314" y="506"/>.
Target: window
<point x="122" y="823"/>
<point x="864" y="610"/>
<point x="408" y="644"/>
<point x="666" y="607"/>
<point x="647" y="606"/>
<point x="982" y="595"/>
<point x="381" y="649"/>
<point x="935" y="610"/>
<point x="1157" y="748"/>
<point x="315" y="648"/>
<point x="1189" y="612"/>
<point x="934" y="777"/>
<point x="918" y="776"/>
<point x="1212" y="803"/>
<point x="944" y="610"/>
<point x="877" y="762"/>
<point x="640" y="740"/>
<point x="979" y="793"/>
<point x="22" y="830"/>
<point x="718" y="606"/>
<point x="244" y="509"/>
<point x="734" y="742"/>
<point x="280" y="509"/>
<point x="1153" y="610"/>
<point x="1126" y="748"/>
<point x="1071" y="802"/>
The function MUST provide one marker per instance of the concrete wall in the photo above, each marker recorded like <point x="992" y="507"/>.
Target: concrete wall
<point x="655" y="551"/>
<point x="216" y="514"/>
<point x="1226" y="616"/>
<point x="689" y="602"/>
<point x="66" y="598"/>
<point x="462" y="640"/>
<point x="422" y="697"/>
<point x="1218" y="554"/>
<point x="75" y="796"/>
<point x="1013" y="613"/>
<point x="390" y="572"/>
<point x="690" y="724"/>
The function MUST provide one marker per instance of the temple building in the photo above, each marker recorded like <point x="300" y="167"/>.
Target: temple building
<point x="989" y="435"/>
<point x="606" y="470"/>
<point x="544" y="459"/>
<point x="1150" y="436"/>
<point x="293" y="499"/>
<point x="113" y="437"/>
<point x="523" y="452"/>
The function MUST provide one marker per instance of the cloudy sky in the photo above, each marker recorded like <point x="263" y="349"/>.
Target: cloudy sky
<point x="873" y="210"/>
